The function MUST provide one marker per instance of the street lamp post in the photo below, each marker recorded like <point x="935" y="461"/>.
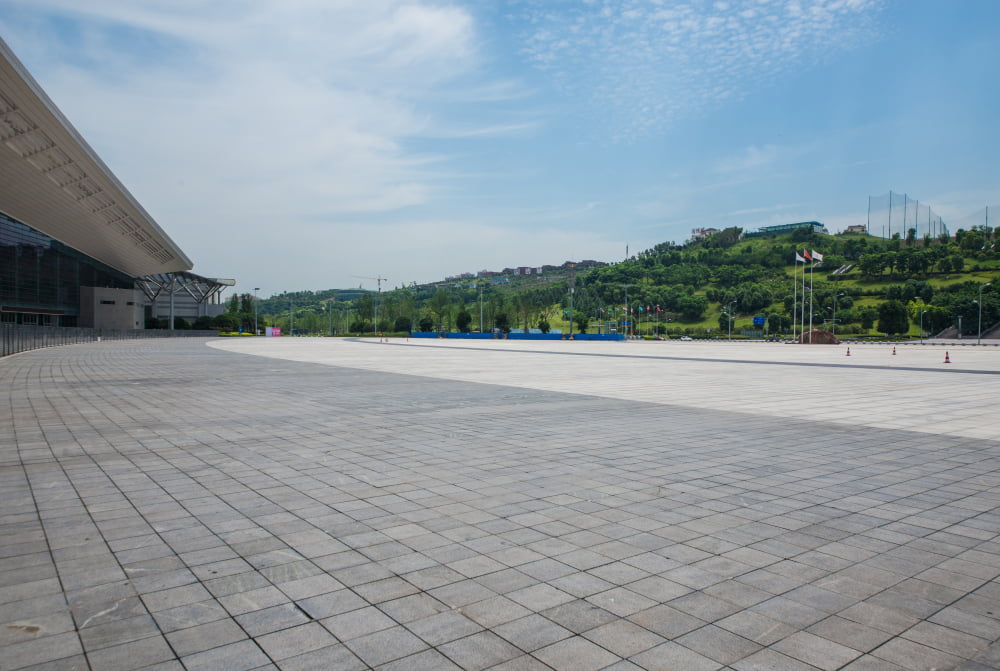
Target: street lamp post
<point x="731" y="304"/>
<point x="256" y="331"/>
<point x="627" y="319"/>
<point x="836" y="296"/>
<point x="572" y="290"/>
<point x="979" y="339"/>
<point x="922" y="326"/>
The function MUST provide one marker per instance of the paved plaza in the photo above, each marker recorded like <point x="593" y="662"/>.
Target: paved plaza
<point x="315" y="503"/>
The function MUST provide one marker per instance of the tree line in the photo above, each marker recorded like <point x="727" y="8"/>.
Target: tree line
<point x="864" y="282"/>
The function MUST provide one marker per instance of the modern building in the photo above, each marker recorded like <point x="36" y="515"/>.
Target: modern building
<point x="76" y="248"/>
<point x="812" y="226"/>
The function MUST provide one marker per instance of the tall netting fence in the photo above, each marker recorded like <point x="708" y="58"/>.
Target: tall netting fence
<point x="896" y="213"/>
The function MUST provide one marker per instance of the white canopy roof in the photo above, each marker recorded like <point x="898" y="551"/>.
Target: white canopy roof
<point x="51" y="180"/>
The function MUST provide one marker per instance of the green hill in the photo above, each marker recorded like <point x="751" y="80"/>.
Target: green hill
<point x="874" y="286"/>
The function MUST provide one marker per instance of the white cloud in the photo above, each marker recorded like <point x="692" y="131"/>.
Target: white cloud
<point x="255" y="118"/>
<point x="647" y="66"/>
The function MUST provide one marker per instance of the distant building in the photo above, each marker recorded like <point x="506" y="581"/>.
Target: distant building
<point x="813" y="226"/>
<point x="699" y="233"/>
<point x="856" y="228"/>
<point x="76" y="248"/>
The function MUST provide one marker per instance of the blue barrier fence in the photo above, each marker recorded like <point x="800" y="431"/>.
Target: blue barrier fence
<point x="517" y="336"/>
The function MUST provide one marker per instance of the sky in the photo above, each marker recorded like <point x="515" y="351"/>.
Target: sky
<point x="317" y="144"/>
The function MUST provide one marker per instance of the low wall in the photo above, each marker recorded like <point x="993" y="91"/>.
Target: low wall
<point x="16" y="338"/>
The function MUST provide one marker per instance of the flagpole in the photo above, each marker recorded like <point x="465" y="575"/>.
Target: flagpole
<point x="811" y="302"/>
<point x="795" y="300"/>
<point x="802" y="320"/>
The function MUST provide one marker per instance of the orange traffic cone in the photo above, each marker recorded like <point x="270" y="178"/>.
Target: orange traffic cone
<point x="894" y="350"/>
<point x="946" y="359"/>
<point x="848" y="351"/>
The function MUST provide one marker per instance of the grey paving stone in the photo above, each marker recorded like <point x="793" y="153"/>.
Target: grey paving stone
<point x="275" y="618"/>
<point x="455" y="506"/>
<point x="623" y="638"/>
<point x="239" y="656"/>
<point x="332" y="657"/>
<point x="495" y="610"/>
<point x="132" y="655"/>
<point x="817" y="651"/>
<point x="718" y="644"/>
<point x="385" y="646"/>
<point x="428" y="660"/>
<point x="30" y="652"/>
<point x="666" y="621"/>
<point x="293" y="641"/>
<point x="357" y="623"/>
<point x="204" y="637"/>
<point x="443" y="627"/>
<point x="576" y="653"/>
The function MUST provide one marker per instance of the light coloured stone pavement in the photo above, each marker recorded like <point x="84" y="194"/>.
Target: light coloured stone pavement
<point x="871" y="387"/>
<point x="334" y="504"/>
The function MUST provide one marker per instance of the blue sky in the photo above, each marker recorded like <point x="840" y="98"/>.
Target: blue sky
<point x="307" y="144"/>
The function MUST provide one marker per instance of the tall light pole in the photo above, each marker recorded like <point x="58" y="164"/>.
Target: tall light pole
<point x="731" y="304"/>
<point x="627" y="317"/>
<point x="922" y="326"/>
<point x="835" y="312"/>
<point x="572" y="289"/>
<point x="480" y="307"/>
<point x="979" y="339"/>
<point x="255" y="329"/>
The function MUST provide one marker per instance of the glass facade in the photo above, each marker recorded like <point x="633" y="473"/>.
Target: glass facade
<point x="40" y="278"/>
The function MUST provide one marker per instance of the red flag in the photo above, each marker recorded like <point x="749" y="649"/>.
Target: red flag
<point x="805" y="253"/>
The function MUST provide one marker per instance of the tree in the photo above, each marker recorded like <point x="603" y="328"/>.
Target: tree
<point x="778" y="323"/>
<point x="402" y="324"/>
<point x="867" y="317"/>
<point x="226" y="322"/>
<point x="872" y="264"/>
<point x="439" y="306"/>
<point x="544" y="326"/>
<point x="502" y="321"/>
<point x="426" y="324"/>
<point x="582" y="322"/>
<point x="462" y="320"/>
<point x="692" y="307"/>
<point x="893" y="318"/>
